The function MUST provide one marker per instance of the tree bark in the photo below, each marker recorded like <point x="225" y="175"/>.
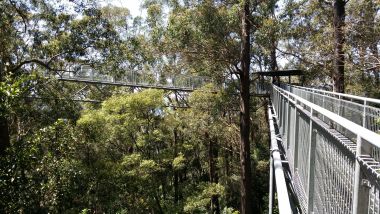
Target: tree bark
<point x="374" y="40"/>
<point x="4" y="131"/>
<point x="214" y="178"/>
<point x="338" y="73"/>
<point x="376" y="71"/>
<point x="4" y="135"/>
<point x="273" y="41"/>
<point x="245" y="159"/>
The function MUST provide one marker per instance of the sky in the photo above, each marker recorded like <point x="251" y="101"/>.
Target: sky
<point x="135" y="10"/>
<point x="132" y="5"/>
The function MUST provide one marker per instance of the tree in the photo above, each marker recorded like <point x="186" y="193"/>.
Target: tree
<point x="245" y="152"/>
<point x="195" y="31"/>
<point x="58" y="41"/>
<point x="339" y="34"/>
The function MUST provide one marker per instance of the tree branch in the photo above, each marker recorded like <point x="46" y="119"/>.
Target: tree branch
<point x="20" y="13"/>
<point x="35" y="61"/>
<point x="298" y="57"/>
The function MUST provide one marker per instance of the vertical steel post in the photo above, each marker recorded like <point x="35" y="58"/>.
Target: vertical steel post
<point x="311" y="163"/>
<point x="364" y="113"/>
<point x="278" y="105"/>
<point x="288" y="120"/>
<point x="361" y="190"/>
<point x="296" y="131"/>
<point x="360" y="195"/>
<point x="285" y="111"/>
<point x="340" y="104"/>
<point x="91" y="74"/>
<point x="285" y="120"/>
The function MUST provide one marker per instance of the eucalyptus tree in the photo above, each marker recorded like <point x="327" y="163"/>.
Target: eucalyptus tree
<point x="244" y="71"/>
<point x="340" y="38"/>
<point x="125" y="136"/>
<point x="334" y="39"/>
<point x="362" y="44"/>
<point x="39" y="36"/>
<point x="215" y="39"/>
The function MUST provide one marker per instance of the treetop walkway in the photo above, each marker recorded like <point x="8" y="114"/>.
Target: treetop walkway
<point x="325" y="146"/>
<point x="136" y="79"/>
<point x="328" y="148"/>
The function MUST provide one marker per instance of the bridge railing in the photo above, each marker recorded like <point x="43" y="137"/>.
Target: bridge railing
<point x="360" y="110"/>
<point x="331" y="172"/>
<point x="135" y="78"/>
<point x="262" y="87"/>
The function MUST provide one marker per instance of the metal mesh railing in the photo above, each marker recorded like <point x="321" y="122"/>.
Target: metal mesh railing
<point x="332" y="157"/>
<point x="135" y="79"/>
<point x="262" y="88"/>
<point x="360" y="110"/>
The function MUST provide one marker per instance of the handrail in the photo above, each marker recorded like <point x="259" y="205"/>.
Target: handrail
<point x="360" y="131"/>
<point x="364" y="99"/>
<point x="183" y="82"/>
<point x="282" y="191"/>
<point x="327" y="178"/>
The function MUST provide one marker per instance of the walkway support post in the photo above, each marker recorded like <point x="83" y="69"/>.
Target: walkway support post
<point x="361" y="184"/>
<point x="288" y="123"/>
<point x="361" y="191"/>
<point x="296" y="131"/>
<point x="311" y="163"/>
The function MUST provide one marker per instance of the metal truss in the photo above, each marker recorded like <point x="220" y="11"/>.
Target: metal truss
<point x="136" y="79"/>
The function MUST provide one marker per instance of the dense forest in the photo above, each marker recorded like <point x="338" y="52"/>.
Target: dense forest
<point x="134" y="150"/>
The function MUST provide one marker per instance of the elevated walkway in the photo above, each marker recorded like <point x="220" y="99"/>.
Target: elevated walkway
<point x="330" y="150"/>
<point x="137" y="79"/>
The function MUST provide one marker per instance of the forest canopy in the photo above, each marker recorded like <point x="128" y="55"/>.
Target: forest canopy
<point x="136" y="150"/>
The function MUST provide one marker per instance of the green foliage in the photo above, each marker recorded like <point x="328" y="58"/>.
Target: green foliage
<point x="201" y="199"/>
<point x="130" y="153"/>
<point x="39" y="171"/>
<point x="179" y="162"/>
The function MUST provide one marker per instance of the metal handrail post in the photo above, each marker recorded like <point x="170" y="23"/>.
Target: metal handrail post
<point x="311" y="163"/>
<point x="288" y="119"/>
<point x="296" y="132"/>
<point x="361" y="191"/>
<point x="323" y="105"/>
<point x="364" y="113"/>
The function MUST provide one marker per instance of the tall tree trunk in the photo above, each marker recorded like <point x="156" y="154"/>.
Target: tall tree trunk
<point x="273" y="40"/>
<point x="373" y="46"/>
<point x="4" y="135"/>
<point x="245" y="159"/>
<point x="273" y="59"/>
<point x="362" y="53"/>
<point x="4" y="131"/>
<point x="376" y="71"/>
<point x="338" y="73"/>
<point x="213" y="156"/>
